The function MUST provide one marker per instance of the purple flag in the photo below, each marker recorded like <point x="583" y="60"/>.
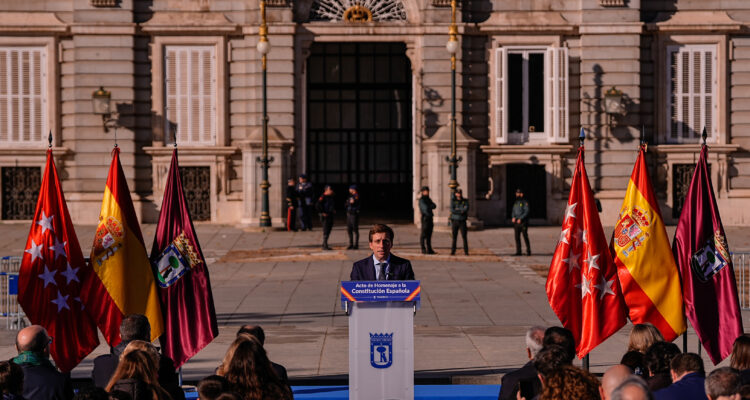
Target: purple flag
<point x="702" y="255"/>
<point x="184" y="286"/>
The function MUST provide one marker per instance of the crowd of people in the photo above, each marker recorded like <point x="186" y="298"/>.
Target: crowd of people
<point x="135" y="370"/>
<point x="650" y="369"/>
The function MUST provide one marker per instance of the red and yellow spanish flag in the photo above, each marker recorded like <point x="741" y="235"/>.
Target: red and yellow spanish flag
<point x="645" y="265"/>
<point x="123" y="281"/>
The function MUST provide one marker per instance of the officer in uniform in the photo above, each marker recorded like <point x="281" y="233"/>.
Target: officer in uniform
<point x="305" y="202"/>
<point x="327" y="209"/>
<point x="426" y="205"/>
<point x="459" y="215"/>
<point x="352" y="218"/>
<point x="291" y="205"/>
<point x="520" y="219"/>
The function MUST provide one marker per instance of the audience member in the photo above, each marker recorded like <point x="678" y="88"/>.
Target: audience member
<point x="642" y="336"/>
<point x="635" y="360"/>
<point x="250" y="374"/>
<point x="688" y="378"/>
<point x="212" y="386"/>
<point x="723" y="383"/>
<point x="570" y="383"/>
<point x="222" y="369"/>
<point x="561" y="337"/>
<point x="740" y="358"/>
<point x="614" y="377"/>
<point x="509" y="384"/>
<point x="136" y="327"/>
<point x="41" y="380"/>
<point x="550" y="358"/>
<point x="633" y="388"/>
<point x="657" y="360"/>
<point x="258" y="333"/>
<point x="11" y="381"/>
<point x="136" y="374"/>
<point x="91" y="393"/>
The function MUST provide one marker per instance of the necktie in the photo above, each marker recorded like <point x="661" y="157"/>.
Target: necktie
<point x="381" y="276"/>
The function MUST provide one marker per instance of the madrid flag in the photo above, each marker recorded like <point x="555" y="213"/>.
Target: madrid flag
<point x="122" y="282"/>
<point x="52" y="269"/>
<point x="702" y="255"/>
<point x="181" y="272"/>
<point x="645" y="265"/>
<point x="582" y="286"/>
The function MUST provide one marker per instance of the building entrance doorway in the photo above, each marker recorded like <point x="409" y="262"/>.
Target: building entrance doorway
<point x="359" y="125"/>
<point x="532" y="179"/>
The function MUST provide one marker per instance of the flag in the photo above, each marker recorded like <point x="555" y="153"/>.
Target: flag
<point x="582" y="286"/>
<point x="702" y="255"/>
<point x="181" y="272"/>
<point x="122" y="282"/>
<point x="52" y="269"/>
<point x="648" y="274"/>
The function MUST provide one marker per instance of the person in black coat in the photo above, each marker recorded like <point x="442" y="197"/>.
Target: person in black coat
<point x="327" y="209"/>
<point x="426" y="205"/>
<point x="382" y="265"/>
<point x="305" y="202"/>
<point x="136" y="327"/>
<point x="510" y="382"/>
<point x="352" y="218"/>
<point x="291" y="205"/>
<point x="41" y="380"/>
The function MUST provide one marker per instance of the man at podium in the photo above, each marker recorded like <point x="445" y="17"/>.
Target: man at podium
<point x="382" y="265"/>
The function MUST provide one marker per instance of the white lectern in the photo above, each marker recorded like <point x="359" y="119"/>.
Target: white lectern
<point x="381" y="338"/>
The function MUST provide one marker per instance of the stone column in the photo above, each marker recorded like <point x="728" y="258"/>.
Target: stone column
<point x="279" y="170"/>
<point x="437" y="149"/>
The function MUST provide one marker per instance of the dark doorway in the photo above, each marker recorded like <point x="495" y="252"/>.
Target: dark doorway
<point x="532" y="179"/>
<point x="359" y="124"/>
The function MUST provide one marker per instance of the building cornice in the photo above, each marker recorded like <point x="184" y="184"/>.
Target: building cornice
<point x="697" y="22"/>
<point x="189" y="22"/>
<point x="31" y="22"/>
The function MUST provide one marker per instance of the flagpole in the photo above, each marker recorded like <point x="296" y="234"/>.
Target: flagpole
<point x="585" y="363"/>
<point x="49" y="139"/>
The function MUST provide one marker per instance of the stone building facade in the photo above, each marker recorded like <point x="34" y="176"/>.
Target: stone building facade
<point x="359" y="92"/>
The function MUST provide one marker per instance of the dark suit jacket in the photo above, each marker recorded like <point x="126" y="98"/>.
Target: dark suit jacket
<point x="281" y="372"/>
<point x="690" y="387"/>
<point x="105" y="365"/>
<point x="510" y="380"/>
<point x="399" y="269"/>
<point x="44" y="382"/>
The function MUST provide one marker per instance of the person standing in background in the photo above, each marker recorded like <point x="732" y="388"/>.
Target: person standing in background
<point x="327" y="209"/>
<point x="352" y="218"/>
<point x="426" y="205"/>
<point x="459" y="215"/>
<point x="291" y="205"/>
<point x="520" y="219"/>
<point x="305" y="202"/>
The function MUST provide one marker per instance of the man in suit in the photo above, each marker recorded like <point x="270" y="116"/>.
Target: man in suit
<point x="688" y="379"/>
<point x="41" y="380"/>
<point x="382" y="265"/>
<point x="509" y="386"/>
<point x="136" y="327"/>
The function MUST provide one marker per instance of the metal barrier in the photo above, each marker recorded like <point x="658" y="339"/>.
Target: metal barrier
<point x="9" y="307"/>
<point x="741" y="263"/>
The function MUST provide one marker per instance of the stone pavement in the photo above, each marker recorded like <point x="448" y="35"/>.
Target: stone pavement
<point x="470" y="328"/>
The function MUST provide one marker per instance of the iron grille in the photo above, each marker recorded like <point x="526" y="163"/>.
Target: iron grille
<point x="682" y="174"/>
<point x="196" y="182"/>
<point x="20" y="191"/>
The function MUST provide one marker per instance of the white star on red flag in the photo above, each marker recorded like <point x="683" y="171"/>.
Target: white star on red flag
<point x="61" y="301"/>
<point x="59" y="249"/>
<point x="585" y="286"/>
<point x="591" y="261"/>
<point x="605" y="287"/>
<point x="564" y="236"/>
<point x="570" y="211"/>
<point x="48" y="277"/>
<point x="45" y="222"/>
<point x="35" y="250"/>
<point x="70" y="274"/>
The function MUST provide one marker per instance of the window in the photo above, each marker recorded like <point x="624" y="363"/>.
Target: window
<point x="23" y="95"/>
<point x="691" y="74"/>
<point x="531" y="95"/>
<point x="190" y="80"/>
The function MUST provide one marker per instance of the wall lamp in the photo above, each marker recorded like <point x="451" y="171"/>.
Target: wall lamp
<point x="613" y="101"/>
<point x="100" y="102"/>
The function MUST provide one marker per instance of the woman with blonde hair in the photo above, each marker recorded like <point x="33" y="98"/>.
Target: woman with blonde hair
<point x="642" y="336"/>
<point x="570" y="383"/>
<point x="250" y="374"/>
<point x="136" y="374"/>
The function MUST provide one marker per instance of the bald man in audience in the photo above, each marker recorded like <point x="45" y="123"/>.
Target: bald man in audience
<point x="613" y="377"/>
<point x="42" y="381"/>
<point x="633" y="388"/>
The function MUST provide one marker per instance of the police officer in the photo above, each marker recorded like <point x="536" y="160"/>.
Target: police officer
<point x="291" y="205"/>
<point x="305" y="202"/>
<point x="520" y="219"/>
<point x="327" y="209"/>
<point x="426" y="205"/>
<point x="352" y="218"/>
<point x="459" y="214"/>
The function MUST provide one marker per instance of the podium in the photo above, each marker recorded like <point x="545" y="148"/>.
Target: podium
<point x="381" y="338"/>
